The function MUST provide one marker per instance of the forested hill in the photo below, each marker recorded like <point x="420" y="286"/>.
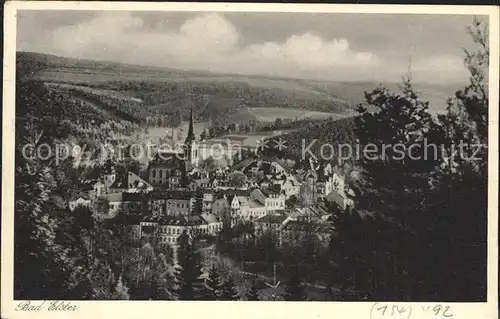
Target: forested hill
<point x="151" y="91"/>
<point x="315" y="139"/>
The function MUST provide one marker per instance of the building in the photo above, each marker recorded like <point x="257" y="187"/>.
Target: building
<point x="180" y="203"/>
<point x="98" y="189"/>
<point x="169" y="229"/>
<point x="131" y="225"/>
<point x="342" y="200"/>
<point x="81" y="201"/>
<point x="338" y="183"/>
<point x="172" y="202"/>
<point x="128" y="182"/>
<point x="340" y="194"/>
<point x="269" y="222"/>
<point x="124" y="203"/>
<point x="264" y="168"/>
<point x="191" y="148"/>
<point x="289" y="186"/>
<point x="200" y="183"/>
<point x="319" y="212"/>
<point x="102" y="186"/>
<point x="239" y="206"/>
<point x="213" y="224"/>
<point x="220" y="205"/>
<point x="167" y="169"/>
<point x="208" y="199"/>
<point x="272" y="201"/>
<point x="115" y="182"/>
<point x="255" y="209"/>
<point x="324" y="186"/>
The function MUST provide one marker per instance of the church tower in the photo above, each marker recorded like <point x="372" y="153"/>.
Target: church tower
<point x="190" y="143"/>
<point x="190" y="135"/>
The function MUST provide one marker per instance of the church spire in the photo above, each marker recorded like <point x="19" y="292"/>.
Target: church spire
<point x="190" y="135"/>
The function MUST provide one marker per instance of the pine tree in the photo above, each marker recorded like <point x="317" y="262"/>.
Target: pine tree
<point x="253" y="293"/>
<point x="404" y="204"/>
<point x="229" y="290"/>
<point x="213" y="284"/>
<point x="188" y="273"/>
<point x="460" y="193"/>
<point x="294" y="289"/>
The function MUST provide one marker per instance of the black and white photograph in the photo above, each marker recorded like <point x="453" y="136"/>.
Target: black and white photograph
<point x="233" y="155"/>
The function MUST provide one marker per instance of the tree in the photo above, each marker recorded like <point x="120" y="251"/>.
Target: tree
<point x="188" y="274"/>
<point x="294" y="289"/>
<point x="223" y="240"/>
<point x="389" y="193"/>
<point x="209" y="164"/>
<point x="253" y="293"/>
<point x="307" y="193"/>
<point x="292" y="201"/>
<point x="237" y="179"/>
<point x="198" y="204"/>
<point x="460" y="184"/>
<point x="105" y="285"/>
<point x="151" y="275"/>
<point x="176" y="120"/>
<point x="214" y="285"/>
<point x="44" y="267"/>
<point x="278" y="123"/>
<point x="203" y="135"/>
<point x="101" y="206"/>
<point x="229" y="290"/>
<point x="403" y="204"/>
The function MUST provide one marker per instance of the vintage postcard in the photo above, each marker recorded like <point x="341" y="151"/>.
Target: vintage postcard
<point x="249" y="160"/>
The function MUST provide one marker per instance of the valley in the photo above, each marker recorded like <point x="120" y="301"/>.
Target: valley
<point x="138" y="92"/>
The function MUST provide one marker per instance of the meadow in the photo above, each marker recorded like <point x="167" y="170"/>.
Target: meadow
<point x="138" y="92"/>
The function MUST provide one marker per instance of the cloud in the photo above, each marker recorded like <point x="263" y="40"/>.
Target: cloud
<point x="207" y="42"/>
<point x="311" y="51"/>
<point x="211" y="42"/>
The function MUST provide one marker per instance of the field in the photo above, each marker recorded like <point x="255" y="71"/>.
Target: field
<point x="143" y="91"/>
<point x="270" y="114"/>
<point x="96" y="91"/>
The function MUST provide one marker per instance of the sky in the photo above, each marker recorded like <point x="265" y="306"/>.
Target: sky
<point x="325" y="46"/>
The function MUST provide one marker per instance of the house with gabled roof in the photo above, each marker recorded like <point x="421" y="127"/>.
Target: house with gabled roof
<point x="341" y="199"/>
<point x="167" y="168"/>
<point x="269" y="222"/>
<point x="289" y="186"/>
<point x="272" y="200"/>
<point x="255" y="209"/>
<point x="124" y="203"/>
<point x="82" y="200"/>
<point x="129" y="182"/>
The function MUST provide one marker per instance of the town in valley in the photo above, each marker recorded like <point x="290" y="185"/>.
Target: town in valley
<point x="273" y="156"/>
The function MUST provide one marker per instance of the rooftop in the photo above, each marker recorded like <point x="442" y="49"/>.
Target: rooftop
<point x="124" y="197"/>
<point x="297" y="225"/>
<point x="210" y="218"/>
<point x="126" y="219"/>
<point x="128" y="180"/>
<point x="275" y="219"/>
<point x="172" y="194"/>
<point x="255" y="204"/>
<point x="175" y="220"/>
